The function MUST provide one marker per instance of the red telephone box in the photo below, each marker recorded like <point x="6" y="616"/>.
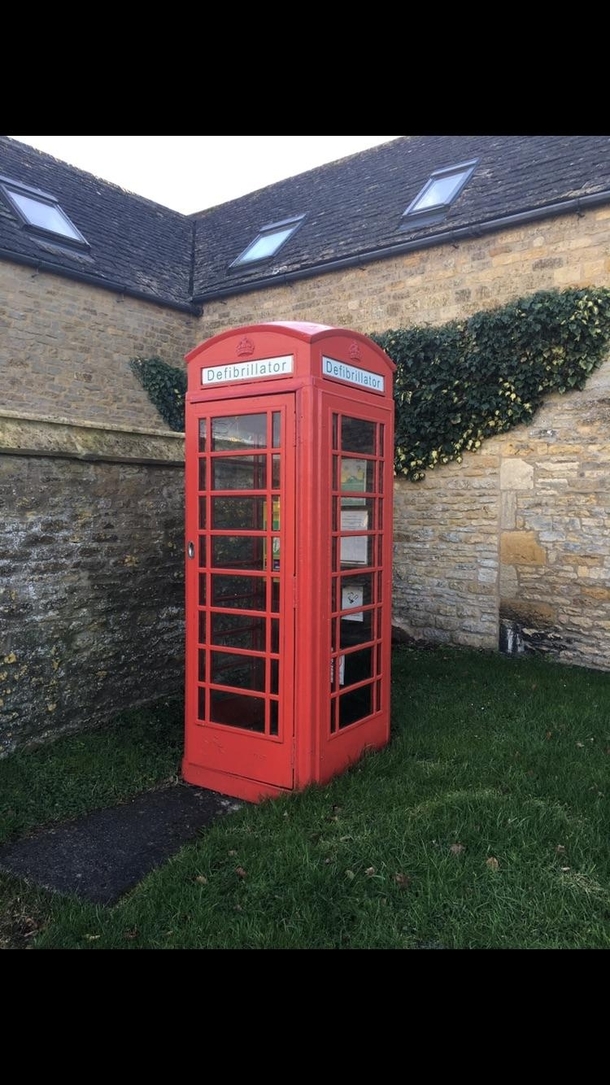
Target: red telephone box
<point x="289" y="480"/>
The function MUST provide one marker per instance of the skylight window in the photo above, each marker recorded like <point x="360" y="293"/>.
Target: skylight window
<point x="268" y="241"/>
<point x="40" y="212"/>
<point x="437" y="195"/>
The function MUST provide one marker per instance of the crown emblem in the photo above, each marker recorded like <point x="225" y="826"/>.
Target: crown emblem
<point x="245" y="347"/>
<point x="354" y="352"/>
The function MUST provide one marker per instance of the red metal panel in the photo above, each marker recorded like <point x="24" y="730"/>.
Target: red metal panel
<point x="240" y="724"/>
<point x="335" y="747"/>
<point x="266" y="714"/>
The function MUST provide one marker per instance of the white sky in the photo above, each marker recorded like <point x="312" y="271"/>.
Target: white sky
<point x="190" y="173"/>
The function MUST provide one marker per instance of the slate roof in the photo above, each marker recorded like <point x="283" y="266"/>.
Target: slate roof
<point x="353" y="212"/>
<point x="354" y="206"/>
<point x="135" y="244"/>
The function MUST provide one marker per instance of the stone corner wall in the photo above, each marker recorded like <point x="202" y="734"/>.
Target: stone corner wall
<point x="511" y="549"/>
<point x="91" y="574"/>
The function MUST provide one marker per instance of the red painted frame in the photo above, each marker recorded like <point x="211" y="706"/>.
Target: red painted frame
<point x="315" y="376"/>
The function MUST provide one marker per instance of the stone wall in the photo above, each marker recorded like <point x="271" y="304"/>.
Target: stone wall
<point x="91" y="574"/>
<point x="510" y="548"/>
<point x="554" y="529"/>
<point x="435" y="285"/>
<point x="65" y="348"/>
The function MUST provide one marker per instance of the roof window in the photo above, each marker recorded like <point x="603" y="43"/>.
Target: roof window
<point x="438" y="194"/>
<point x="269" y="241"/>
<point x="40" y="213"/>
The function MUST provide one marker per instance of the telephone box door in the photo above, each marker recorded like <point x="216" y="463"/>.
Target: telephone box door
<point x="240" y="483"/>
<point x="359" y="495"/>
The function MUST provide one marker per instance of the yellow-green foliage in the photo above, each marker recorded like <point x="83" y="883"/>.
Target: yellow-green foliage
<point x="457" y="384"/>
<point x="467" y="380"/>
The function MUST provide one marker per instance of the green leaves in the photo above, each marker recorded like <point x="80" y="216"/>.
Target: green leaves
<point x="458" y="384"/>
<point x="467" y="380"/>
<point x="166" y="388"/>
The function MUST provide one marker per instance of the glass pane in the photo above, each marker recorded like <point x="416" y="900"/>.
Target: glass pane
<point x="358" y="667"/>
<point x="275" y="553"/>
<point x="357" y="631"/>
<point x="356" y="591"/>
<point x="238" y="552"/>
<point x="202" y="507"/>
<point x="355" y="705"/>
<point x="238" y="631"/>
<point x="245" y="672"/>
<point x="202" y="579"/>
<point x="239" y="592"/>
<point x="202" y="656"/>
<point x="237" y="710"/>
<point x="202" y="626"/>
<point x="357" y="436"/>
<point x="274" y="729"/>
<point x="239" y="473"/>
<point x="265" y="245"/>
<point x="275" y="672"/>
<point x="202" y="552"/>
<point x="247" y="513"/>
<point x="275" y="480"/>
<point x="357" y="476"/>
<point x="201" y="705"/>
<point x="203" y="423"/>
<point x="46" y="215"/>
<point x="277" y="439"/>
<point x="275" y="505"/>
<point x="202" y="473"/>
<point x="239" y="431"/>
<point x="439" y="192"/>
<point x="275" y="595"/>
<point x="357" y="549"/>
<point x="275" y="635"/>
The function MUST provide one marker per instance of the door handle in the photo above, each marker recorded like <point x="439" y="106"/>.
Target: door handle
<point x="191" y="550"/>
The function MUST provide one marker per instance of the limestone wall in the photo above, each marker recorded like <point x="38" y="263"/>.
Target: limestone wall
<point x="91" y="574"/>
<point x="65" y="348"/>
<point x="511" y="548"/>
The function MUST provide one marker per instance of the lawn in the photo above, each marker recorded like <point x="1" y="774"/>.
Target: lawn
<point x="483" y="825"/>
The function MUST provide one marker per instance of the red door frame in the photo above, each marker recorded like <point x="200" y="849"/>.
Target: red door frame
<point x="217" y="755"/>
<point x="320" y="754"/>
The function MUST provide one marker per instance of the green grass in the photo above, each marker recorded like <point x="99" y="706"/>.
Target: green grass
<point x="483" y="825"/>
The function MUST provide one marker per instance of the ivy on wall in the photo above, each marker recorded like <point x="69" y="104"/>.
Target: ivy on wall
<point x="166" y="388"/>
<point x="467" y="380"/>
<point x="470" y="379"/>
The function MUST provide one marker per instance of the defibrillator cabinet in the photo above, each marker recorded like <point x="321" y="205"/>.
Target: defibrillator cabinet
<point x="289" y="479"/>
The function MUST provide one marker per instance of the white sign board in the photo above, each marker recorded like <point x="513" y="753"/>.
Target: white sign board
<point x="281" y="366"/>
<point x="363" y="378"/>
